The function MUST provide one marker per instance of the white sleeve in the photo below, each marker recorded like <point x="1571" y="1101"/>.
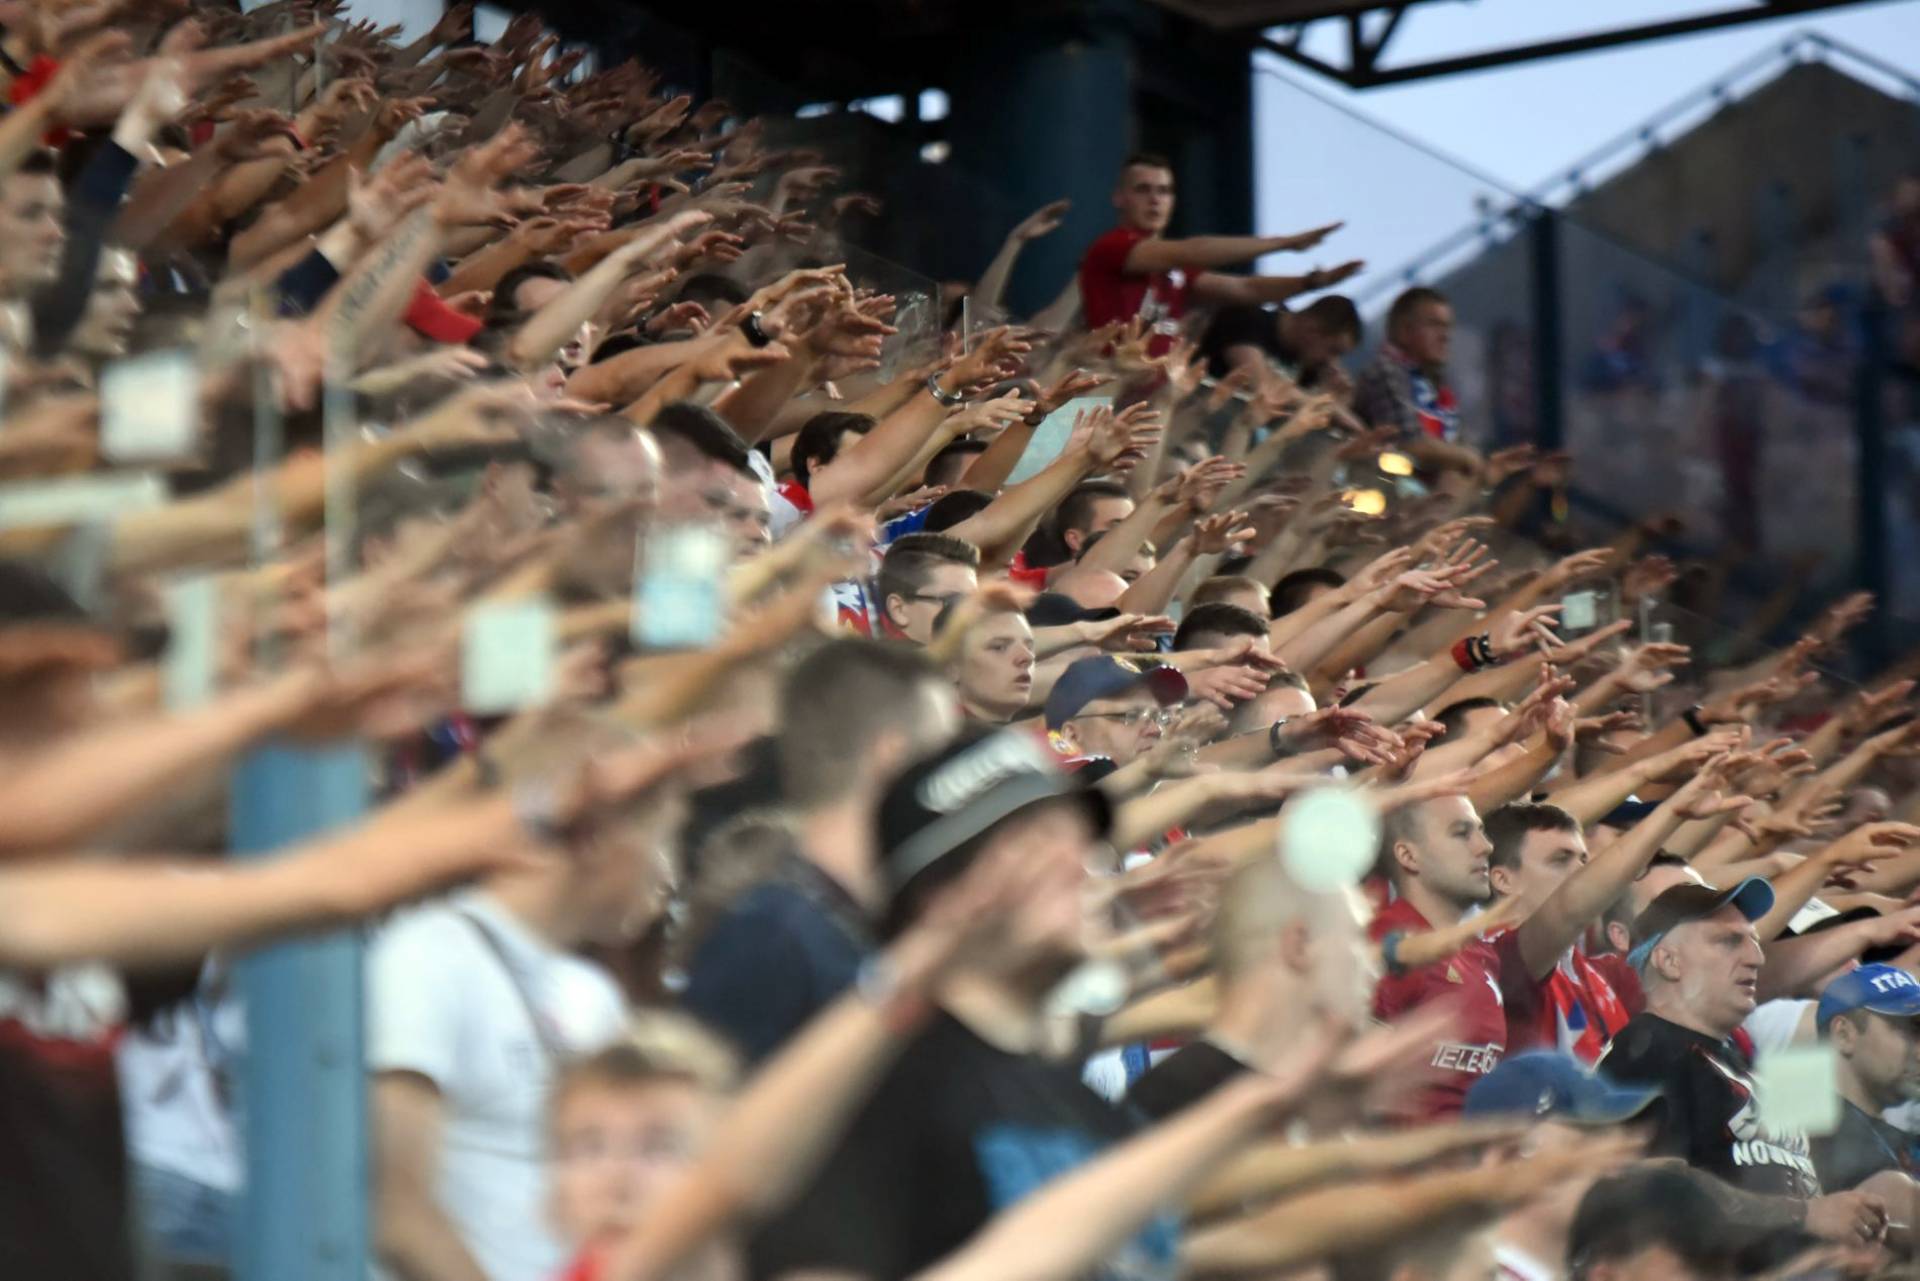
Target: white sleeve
<point x="413" y="995"/>
<point x="1775" y="1024"/>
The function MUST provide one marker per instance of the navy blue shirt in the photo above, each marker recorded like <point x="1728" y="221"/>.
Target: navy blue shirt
<point x="781" y="953"/>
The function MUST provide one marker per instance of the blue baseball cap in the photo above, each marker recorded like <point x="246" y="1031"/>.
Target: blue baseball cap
<point x="1091" y="679"/>
<point x="1553" y="1084"/>
<point x="1877" y="989"/>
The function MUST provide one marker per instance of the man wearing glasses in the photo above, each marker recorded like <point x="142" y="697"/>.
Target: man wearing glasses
<point x="1107" y="708"/>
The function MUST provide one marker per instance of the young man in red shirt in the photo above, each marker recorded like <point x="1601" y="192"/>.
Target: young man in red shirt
<point x="1134" y="270"/>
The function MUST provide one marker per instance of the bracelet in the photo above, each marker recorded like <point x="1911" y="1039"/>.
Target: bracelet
<point x="943" y="397"/>
<point x="1390" y="951"/>
<point x="756" y="336"/>
<point x="1273" y="736"/>
<point x="1692" y="717"/>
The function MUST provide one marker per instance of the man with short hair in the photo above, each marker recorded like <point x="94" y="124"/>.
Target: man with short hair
<point x="920" y="575"/>
<point x="850" y="713"/>
<point x="1112" y="709"/>
<point x="1285" y="956"/>
<point x="1090" y="509"/>
<point x="1234" y="589"/>
<point x="1436" y="855"/>
<point x="1699" y="961"/>
<point x="1212" y="625"/>
<point x="818" y="442"/>
<point x="1305" y="344"/>
<point x="1406" y="387"/>
<point x="712" y="476"/>
<point x="32" y="226"/>
<point x="1867" y="1016"/>
<point x="1302" y="587"/>
<point x="1135" y="271"/>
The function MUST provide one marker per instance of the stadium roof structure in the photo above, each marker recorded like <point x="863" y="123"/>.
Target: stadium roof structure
<point x="1281" y="26"/>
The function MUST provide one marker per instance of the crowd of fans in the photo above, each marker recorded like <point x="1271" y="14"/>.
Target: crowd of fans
<point x="1037" y="802"/>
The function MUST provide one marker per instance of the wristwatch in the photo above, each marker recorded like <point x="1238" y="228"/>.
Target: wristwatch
<point x="1273" y="736"/>
<point x="756" y="335"/>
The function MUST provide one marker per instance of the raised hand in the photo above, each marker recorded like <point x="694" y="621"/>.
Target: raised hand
<point x="1043" y="221"/>
<point x="1515" y="632"/>
<point x="1223" y="535"/>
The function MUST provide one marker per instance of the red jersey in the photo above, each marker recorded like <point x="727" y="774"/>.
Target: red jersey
<point x="1473" y="976"/>
<point x="1575" y="1008"/>
<point x="1108" y="293"/>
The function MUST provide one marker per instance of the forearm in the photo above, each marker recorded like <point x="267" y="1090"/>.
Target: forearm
<point x="314" y="205"/>
<point x="1558" y="923"/>
<point x="1401" y="695"/>
<point x="22" y="131"/>
<point x="1200" y="253"/>
<point x="993" y="281"/>
<point x="1304" y="652"/>
<point x="1322" y="1223"/>
<point x="1004" y="525"/>
<point x="870" y="461"/>
<point x="158" y="196"/>
<point x="1795" y="965"/>
<point x="754" y="404"/>
<point x="1176" y="1012"/>
<point x="360" y="310"/>
<point x="1592" y="798"/>
<point x="1514" y="779"/>
<point x="991" y="467"/>
<point x="622" y="379"/>
<point x="486" y="266"/>
<point x="1153" y="591"/>
<point x="556" y="324"/>
<point x="83" y="782"/>
<point x="1360" y="647"/>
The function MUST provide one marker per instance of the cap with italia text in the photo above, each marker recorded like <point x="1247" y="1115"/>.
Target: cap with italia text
<point x="1877" y="989"/>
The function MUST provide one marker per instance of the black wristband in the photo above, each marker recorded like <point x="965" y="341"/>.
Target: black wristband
<point x="1692" y="717"/>
<point x="756" y="336"/>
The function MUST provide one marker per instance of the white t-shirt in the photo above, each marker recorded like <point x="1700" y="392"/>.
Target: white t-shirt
<point x="441" y="1002"/>
<point x="177" y="1120"/>
<point x="1774" y="1025"/>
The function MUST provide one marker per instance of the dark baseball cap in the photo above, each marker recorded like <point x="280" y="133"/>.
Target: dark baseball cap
<point x="1057" y="609"/>
<point x="1553" y="1084"/>
<point x="1877" y="989"/>
<point x="1683" y="903"/>
<point x="1091" y="679"/>
<point x="942" y="805"/>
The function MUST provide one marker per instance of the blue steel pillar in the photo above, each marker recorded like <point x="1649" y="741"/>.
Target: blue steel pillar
<point x="303" y="1084"/>
<point x="1047" y="110"/>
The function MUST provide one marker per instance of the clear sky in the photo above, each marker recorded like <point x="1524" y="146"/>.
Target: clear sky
<point x="1508" y="129"/>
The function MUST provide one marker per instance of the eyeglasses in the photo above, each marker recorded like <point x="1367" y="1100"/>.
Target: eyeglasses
<point x="942" y="599"/>
<point x="1134" y="719"/>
